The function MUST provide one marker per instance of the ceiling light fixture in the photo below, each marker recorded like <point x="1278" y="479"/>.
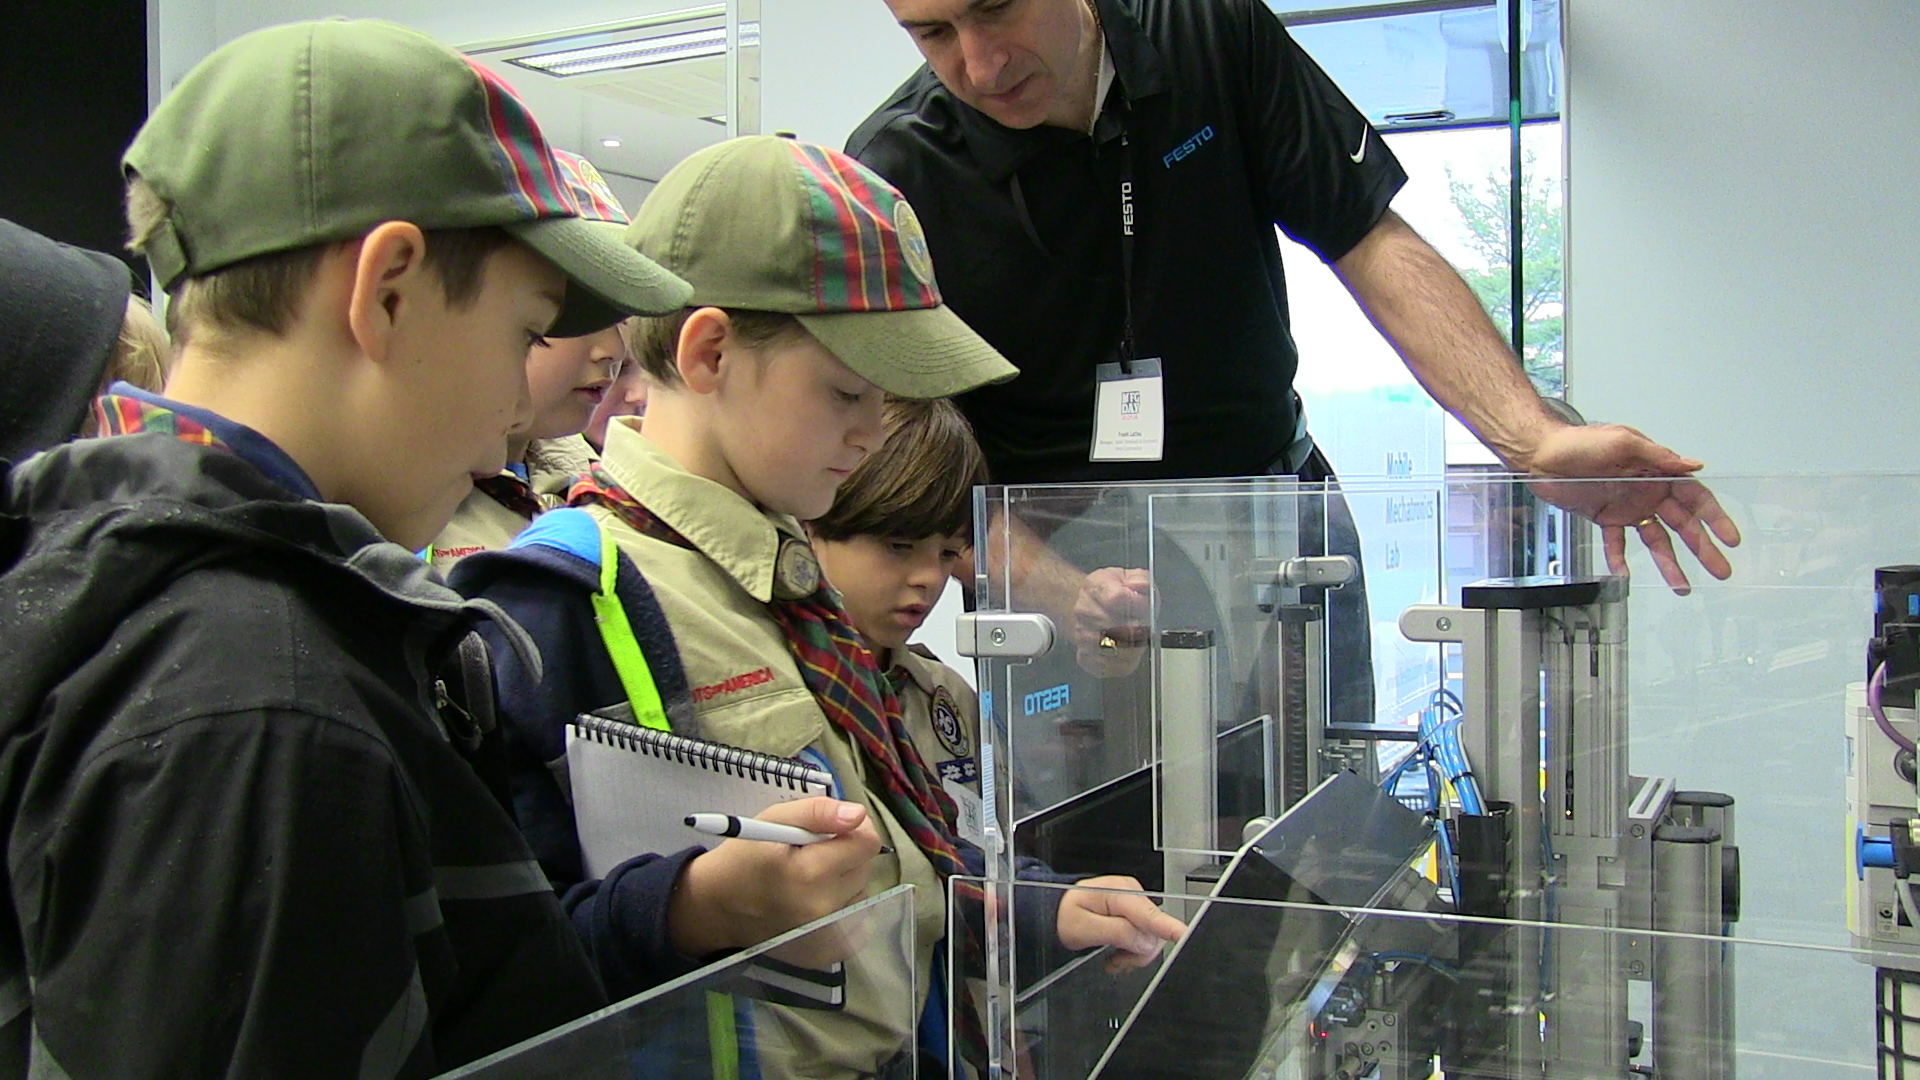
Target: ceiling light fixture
<point x="638" y="52"/>
<point x="610" y="143"/>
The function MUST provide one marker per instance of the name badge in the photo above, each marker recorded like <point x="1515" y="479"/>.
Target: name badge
<point x="1129" y="414"/>
<point x="973" y="826"/>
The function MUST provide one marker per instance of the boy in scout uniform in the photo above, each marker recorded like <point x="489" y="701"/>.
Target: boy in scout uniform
<point x="889" y="545"/>
<point x="568" y="377"/>
<point x="814" y="299"/>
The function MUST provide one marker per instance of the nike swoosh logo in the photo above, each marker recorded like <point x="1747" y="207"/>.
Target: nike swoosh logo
<point x="1360" y="155"/>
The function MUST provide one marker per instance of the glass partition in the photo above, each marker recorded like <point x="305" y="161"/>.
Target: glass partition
<point x="1211" y="662"/>
<point x="746" y="1017"/>
<point x="1308" y="991"/>
<point x="1086" y="715"/>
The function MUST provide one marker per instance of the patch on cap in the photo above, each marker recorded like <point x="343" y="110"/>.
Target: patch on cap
<point x="521" y="151"/>
<point x="597" y="200"/>
<point x="865" y="260"/>
<point x="913" y="240"/>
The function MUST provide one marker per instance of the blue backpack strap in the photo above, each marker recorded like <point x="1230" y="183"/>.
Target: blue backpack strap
<point x="578" y="533"/>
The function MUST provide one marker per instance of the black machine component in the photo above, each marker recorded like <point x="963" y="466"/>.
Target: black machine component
<point x="1296" y="749"/>
<point x="1381" y="1025"/>
<point x="1906" y="853"/>
<point x="1896" y="633"/>
<point x="1347" y="846"/>
<point x="1108" y="830"/>
<point x="1480" y="843"/>
<point x="1897" y="1016"/>
<point x="1700" y="806"/>
<point x="1538" y="593"/>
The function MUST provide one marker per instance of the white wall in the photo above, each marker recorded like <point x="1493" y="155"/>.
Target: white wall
<point x="1743" y="265"/>
<point x="826" y="64"/>
<point x="1743" y="234"/>
<point x="184" y="31"/>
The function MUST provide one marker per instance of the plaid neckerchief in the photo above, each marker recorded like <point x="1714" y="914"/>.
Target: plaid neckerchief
<point x="511" y="492"/>
<point x="118" y="414"/>
<point x="858" y="699"/>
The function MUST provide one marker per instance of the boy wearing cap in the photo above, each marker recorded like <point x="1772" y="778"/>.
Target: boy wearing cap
<point x="813" y="299"/>
<point x="242" y="840"/>
<point x="567" y="378"/>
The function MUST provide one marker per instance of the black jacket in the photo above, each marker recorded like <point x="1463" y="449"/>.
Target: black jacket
<point x="239" y="840"/>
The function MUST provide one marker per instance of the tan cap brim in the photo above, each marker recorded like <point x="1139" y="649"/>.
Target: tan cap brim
<point x="921" y="353"/>
<point x="606" y="280"/>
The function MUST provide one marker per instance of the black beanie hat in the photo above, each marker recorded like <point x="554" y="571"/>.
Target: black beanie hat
<point x="61" y="309"/>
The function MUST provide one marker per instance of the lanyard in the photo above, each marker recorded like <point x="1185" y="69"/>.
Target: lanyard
<point x="1127" y="221"/>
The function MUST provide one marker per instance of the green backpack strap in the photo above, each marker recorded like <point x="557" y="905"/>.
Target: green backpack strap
<point x="622" y="647"/>
<point x="723" y="1037"/>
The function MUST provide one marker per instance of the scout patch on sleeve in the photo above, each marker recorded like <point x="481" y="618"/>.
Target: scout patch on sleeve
<point x="946" y="723"/>
<point x="796" y="572"/>
<point x="959" y="771"/>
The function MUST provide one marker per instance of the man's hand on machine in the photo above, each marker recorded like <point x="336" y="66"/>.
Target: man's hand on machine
<point x="1130" y="922"/>
<point x="745" y="891"/>
<point x="1610" y="473"/>
<point x="1110" y="621"/>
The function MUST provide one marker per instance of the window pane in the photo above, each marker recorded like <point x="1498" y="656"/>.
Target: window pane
<point x="1433" y="68"/>
<point x="1459" y="197"/>
<point x="1365" y="408"/>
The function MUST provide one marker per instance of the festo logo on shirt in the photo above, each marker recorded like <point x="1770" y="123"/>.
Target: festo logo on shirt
<point x="1204" y="135"/>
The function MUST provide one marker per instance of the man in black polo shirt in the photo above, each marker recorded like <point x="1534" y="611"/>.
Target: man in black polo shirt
<point x="1015" y="143"/>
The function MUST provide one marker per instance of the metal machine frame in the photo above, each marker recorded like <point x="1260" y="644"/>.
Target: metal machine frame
<point x="1562" y="833"/>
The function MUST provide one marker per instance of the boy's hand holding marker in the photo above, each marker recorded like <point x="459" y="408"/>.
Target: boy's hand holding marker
<point x="756" y="829"/>
<point x="745" y="891"/>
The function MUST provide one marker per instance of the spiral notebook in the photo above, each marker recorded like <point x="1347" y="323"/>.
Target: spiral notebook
<point x="633" y="787"/>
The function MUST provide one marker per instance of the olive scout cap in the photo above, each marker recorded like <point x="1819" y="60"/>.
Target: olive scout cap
<point x="317" y="132"/>
<point x="772" y="224"/>
<point x="597" y="201"/>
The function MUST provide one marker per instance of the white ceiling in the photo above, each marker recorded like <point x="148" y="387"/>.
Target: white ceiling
<point x="574" y="117"/>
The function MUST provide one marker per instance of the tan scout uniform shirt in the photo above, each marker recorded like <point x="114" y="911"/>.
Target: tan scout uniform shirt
<point x="747" y="691"/>
<point x="482" y="524"/>
<point x="942" y="715"/>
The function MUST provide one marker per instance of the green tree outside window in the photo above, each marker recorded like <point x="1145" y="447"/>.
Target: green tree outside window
<point x="1484" y="204"/>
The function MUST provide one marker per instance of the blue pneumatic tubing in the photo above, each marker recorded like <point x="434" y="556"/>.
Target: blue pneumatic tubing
<point x="1870" y="851"/>
<point x="1443" y="737"/>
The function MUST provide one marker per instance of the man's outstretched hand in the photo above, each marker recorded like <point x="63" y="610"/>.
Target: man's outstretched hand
<point x="1608" y="472"/>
